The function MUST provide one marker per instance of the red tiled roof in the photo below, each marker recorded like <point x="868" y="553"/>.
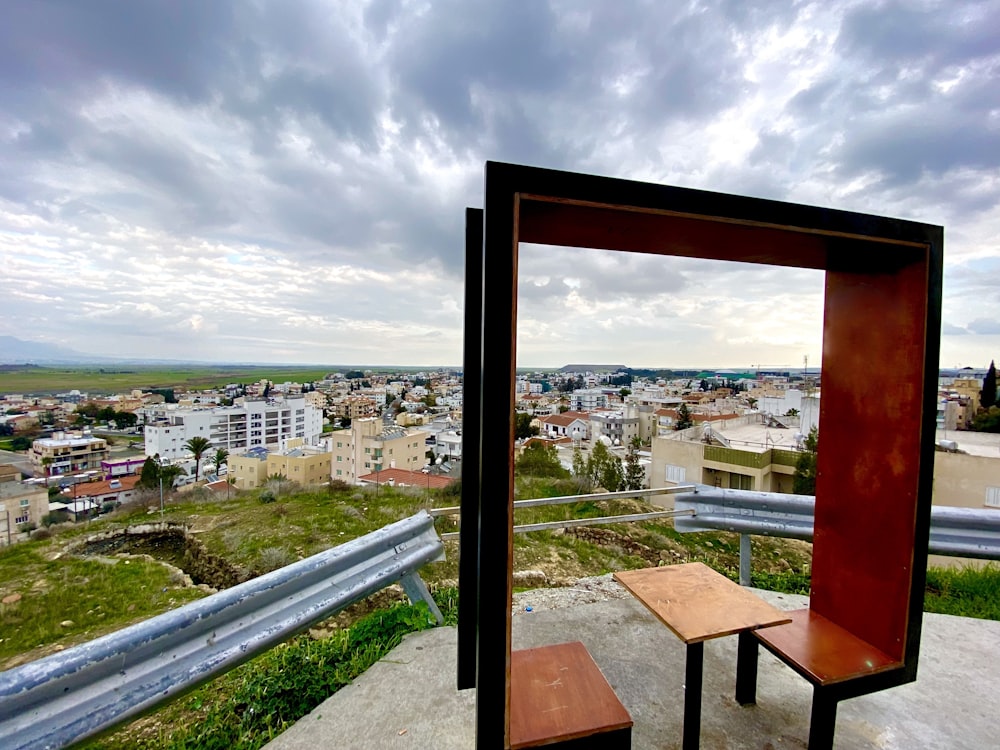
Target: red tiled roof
<point x="565" y="419"/>
<point x="405" y="477"/>
<point x="96" y="489"/>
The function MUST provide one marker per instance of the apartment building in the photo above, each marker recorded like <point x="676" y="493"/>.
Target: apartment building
<point x="67" y="453"/>
<point x="254" y="423"/>
<point x="21" y="503"/>
<point x="248" y="470"/>
<point x="354" y="407"/>
<point x="619" y="427"/>
<point x="305" y="464"/>
<point x="588" y="399"/>
<point x="740" y="453"/>
<point x="370" y="446"/>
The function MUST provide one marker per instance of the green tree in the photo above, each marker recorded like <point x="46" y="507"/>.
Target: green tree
<point x="221" y="457"/>
<point x="523" y="428"/>
<point x="624" y="392"/>
<point x="804" y="479"/>
<point x="581" y="472"/>
<point x="635" y="475"/>
<point x="683" y="418"/>
<point x="604" y="468"/>
<point x="169" y="475"/>
<point x="988" y="396"/>
<point x="20" y="443"/>
<point x="198" y="446"/>
<point x="125" y="419"/>
<point x="149" y="477"/>
<point x="540" y="459"/>
<point x="987" y="420"/>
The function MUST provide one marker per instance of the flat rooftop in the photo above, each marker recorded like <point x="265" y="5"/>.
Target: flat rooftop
<point x="409" y="700"/>
<point x="973" y="443"/>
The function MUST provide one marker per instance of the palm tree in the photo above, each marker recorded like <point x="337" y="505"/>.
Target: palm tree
<point x="221" y="457"/>
<point x="197" y="446"/>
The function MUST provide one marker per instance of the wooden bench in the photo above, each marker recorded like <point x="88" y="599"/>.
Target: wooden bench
<point x="822" y="652"/>
<point x="560" y="698"/>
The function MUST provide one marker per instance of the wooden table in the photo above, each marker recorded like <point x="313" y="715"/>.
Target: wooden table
<point x="698" y="604"/>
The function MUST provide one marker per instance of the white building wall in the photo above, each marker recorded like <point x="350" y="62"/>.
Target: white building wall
<point x="236" y="428"/>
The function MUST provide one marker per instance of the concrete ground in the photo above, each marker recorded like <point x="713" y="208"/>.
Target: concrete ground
<point x="409" y="700"/>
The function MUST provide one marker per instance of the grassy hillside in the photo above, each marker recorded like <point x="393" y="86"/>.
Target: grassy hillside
<point x="66" y="598"/>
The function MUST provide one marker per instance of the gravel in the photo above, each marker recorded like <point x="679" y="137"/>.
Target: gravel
<point x="583" y="591"/>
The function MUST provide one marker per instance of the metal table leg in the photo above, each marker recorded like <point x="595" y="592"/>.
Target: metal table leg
<point x="746" y="669"/>
<point x="692" y="694"/>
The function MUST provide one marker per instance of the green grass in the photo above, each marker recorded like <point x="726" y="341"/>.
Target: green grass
<point x="114" y="378"/>
<point x="967" y="592"/>
<point x="247" y="707"/>
<point x="94" y="596"/>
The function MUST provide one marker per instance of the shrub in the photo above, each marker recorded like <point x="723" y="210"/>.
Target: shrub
<point x="338" y="485"/>
<point x="272" y="558"/>
<point x="267" y="496"/>
<point x="41" y="534"/>
<point x="26" y="528"/>
<point x="50" y="519"/>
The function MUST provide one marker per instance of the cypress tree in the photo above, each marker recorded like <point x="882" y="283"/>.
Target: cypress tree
<point x="988" y="396"/>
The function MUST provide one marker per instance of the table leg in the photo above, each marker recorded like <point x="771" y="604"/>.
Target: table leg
<point x="692" y="694"/>
<point x="746" y="669"/>
<point x="823" y="722"/>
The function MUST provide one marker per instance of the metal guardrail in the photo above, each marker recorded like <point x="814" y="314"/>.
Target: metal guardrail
<point x="85" y="690"/>
<point x="957" y="532"/>
<point x="561" y="499"/>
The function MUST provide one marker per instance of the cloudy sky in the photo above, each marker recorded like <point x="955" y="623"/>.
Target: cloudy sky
<point x="286" y="181"/>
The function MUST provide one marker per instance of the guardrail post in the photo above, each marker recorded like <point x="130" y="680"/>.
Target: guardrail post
<point x="417" y="590"/>
<point x="744" y="559"/>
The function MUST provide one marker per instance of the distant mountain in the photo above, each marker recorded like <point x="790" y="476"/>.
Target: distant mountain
<point x="592" y="368"/>
<point x="18" y="351"/>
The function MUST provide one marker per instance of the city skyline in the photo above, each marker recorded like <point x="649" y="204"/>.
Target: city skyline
<point x="286" y="183"/>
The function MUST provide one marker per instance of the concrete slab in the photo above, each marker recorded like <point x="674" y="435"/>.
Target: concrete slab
<point x="408" y="700"/>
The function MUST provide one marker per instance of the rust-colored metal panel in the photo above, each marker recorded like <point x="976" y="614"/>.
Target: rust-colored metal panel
<point x="869" y="458"/>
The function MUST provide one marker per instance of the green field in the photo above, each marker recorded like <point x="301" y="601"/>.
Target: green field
<point x="117" y="378"/>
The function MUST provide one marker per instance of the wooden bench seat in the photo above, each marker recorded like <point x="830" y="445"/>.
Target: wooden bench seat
<point x="822" y="651"/>
<point x="559" y="697"/>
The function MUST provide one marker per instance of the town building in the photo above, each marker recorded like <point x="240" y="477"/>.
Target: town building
<point x="21" y="503"/>
<point x="254" y="423"/>
<point x="370" y="446"/>
<point x="68" y="453"/>
<point x="742" y="453"/>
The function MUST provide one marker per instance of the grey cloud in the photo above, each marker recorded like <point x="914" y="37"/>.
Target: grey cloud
<point x="985" y="326"/>
<point x="948" y="329"/>
<point x="69" y="47"/>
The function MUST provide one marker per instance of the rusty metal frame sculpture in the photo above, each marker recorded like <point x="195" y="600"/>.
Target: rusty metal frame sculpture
<point x="880" y="359"/>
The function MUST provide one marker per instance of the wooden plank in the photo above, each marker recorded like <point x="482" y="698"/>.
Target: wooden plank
<point x="822" y="651"/>
<point x="697" y="603"/>
<point x="558" y="693"/>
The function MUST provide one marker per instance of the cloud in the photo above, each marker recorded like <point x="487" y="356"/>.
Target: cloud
<point x="984" y="326"/>
<point x="286" y="181"/>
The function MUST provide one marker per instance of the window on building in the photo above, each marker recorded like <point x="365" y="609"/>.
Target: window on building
<point x="676" y="474"/>
<point x="740" y="482"/>
<point x="993" y="497"/>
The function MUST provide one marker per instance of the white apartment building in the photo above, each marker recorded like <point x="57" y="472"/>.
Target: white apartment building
<point x="270" y="423"/>
<point x="371" y="446"/>
<point x="588" y="399"/>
